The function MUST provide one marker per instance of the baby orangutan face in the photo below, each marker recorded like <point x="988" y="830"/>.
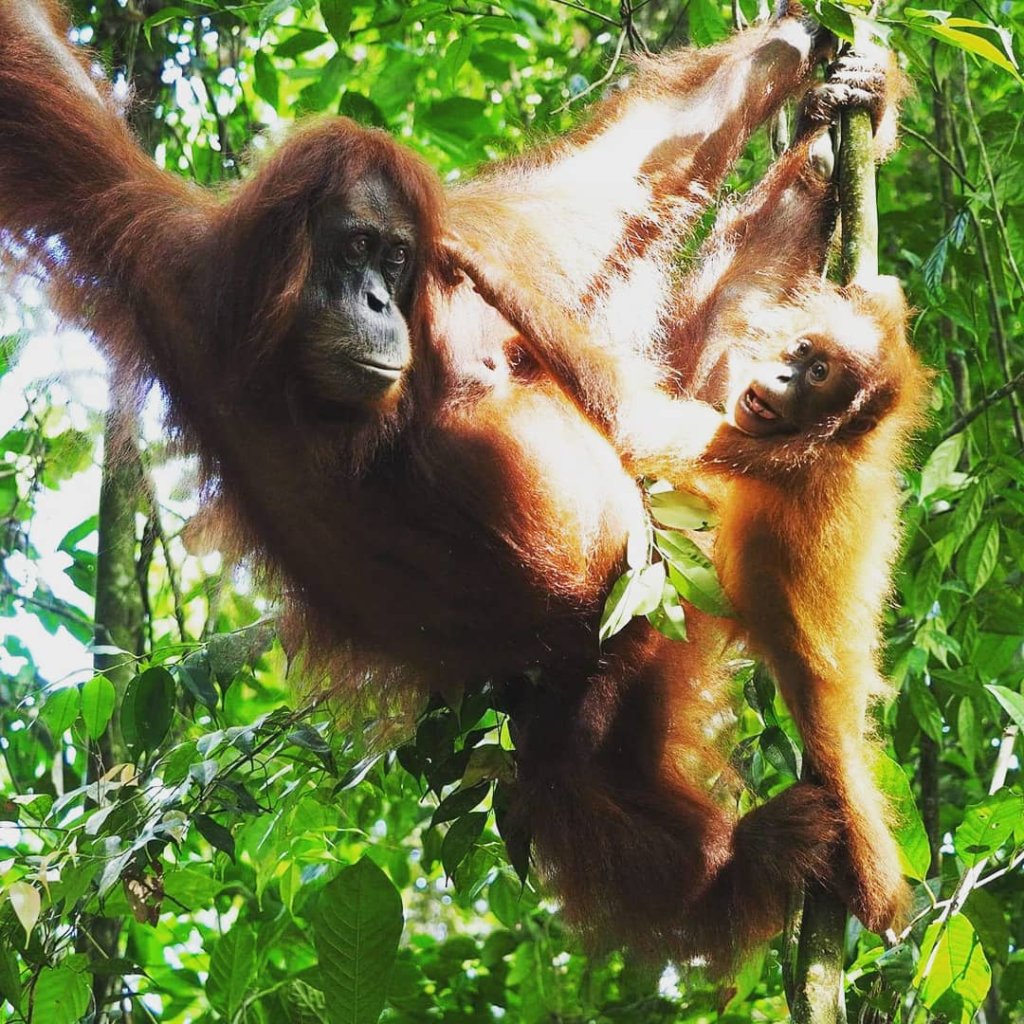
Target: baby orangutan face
<point x="809" y="383"/>
<point x="829" y="365"/>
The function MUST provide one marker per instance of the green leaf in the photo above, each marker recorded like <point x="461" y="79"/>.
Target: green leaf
<point x="98" y="699"/>
<point x="455" y="56"/>
<point x="779" y="751"/>
<point x="215" y="834"/>
<point x="990" y="42"/>
<point x="981" y="556"/>
<point x="327" y="86"/>
<point x="986" y="826"/>
<point x="265" y="80"/>
<point x="460" y="839"/>
<point x="692" y="573"/>
<point x="68" y="453"/>
<point x="272" y="10"/>
<point x="10" y="976"/>
<point x="682" y="510"/>
<point x="960" y="975"/>
<point x="669" y="618"/>
<point x="461" y="802"/>
<point x="192" y="887"/>
<point x="635" y="592"/>
<point x="968" y="733"/>
<point x="148" y="709"/>
<point x="337" y="15"/>
<point x="357" y="925"/>
<point x="925" y="708"/>
<point x="1011" y="701"/>
<point x="835" y="19"/>
<point x="195" y="676"/>
<point x="362" y="109"/>
<point x="61" y="994"/>
<point x="77" y="534"/>
<point x="707" y="25"/>
<point x="941" y="468"/>
<point x="232" y="969"/>
<point x="304" y="40"/>
<point x="909" y="832"/>
<point x="60" y="710"/>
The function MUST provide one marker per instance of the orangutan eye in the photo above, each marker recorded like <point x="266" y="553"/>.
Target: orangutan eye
<point x="397" y="256"/>
<point x="357" y="247"/>
<point x="818" y="372"/>
<point x="802" y="349"/>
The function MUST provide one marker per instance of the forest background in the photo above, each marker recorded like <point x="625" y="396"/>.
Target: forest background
<point x="238" y="856"/>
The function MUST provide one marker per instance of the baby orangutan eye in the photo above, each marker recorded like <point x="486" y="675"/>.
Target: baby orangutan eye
<point x="802" y="349"/>
<point x="818" y="372"/>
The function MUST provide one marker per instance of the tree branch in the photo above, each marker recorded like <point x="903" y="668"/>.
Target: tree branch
<point x="990" y="399"/>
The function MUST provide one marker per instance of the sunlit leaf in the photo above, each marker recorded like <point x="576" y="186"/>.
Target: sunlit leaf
<point x="941" y="468"/>
<point x="1011" y="701"/>
<point x="986" y="826"/>
<point x="27" y="904"/>
<point x="635" y="592"/>
<point x="959" y="977"/>
<point x="682" y="510"/>
<point x="98" y="698"/>
<point x="61" y="709"/>
<point x="909" y="831"/>
<point x="669" y="618"/>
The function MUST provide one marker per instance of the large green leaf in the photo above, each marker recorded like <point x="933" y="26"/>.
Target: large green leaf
<point x="986" y="826"/>
<point x="915" y="852"/>
<point x="61" y="993"/>
<point x="959" y="976"/>
<point x="232" y="969"/>
<point x="357" y="925"/>
<point x="98" y="698"/>
<point x="148" y="709"/>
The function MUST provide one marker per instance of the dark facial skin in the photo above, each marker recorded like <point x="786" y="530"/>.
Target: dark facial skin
<point x="355" y="341"/>
<point x="809" y="383"/>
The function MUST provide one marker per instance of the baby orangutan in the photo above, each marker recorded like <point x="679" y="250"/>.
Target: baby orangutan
<point x="822" y="393"/>
<point x="802" y="473"/>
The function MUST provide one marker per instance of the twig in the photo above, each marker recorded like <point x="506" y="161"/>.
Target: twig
<point x="998" y="323"/>
<point x="1015" y="862"/>
<point x="990" y="399"/>
<point x="601" y="81"/>
<point x="53" y="609"/>
<point x="583" y="9"/>
<point x="990" y="178"/>
<point x="636" y="40"/>
<point x="927" y="143"/>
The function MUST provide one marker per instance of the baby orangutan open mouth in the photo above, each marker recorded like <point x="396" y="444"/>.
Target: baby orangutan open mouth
<point x="755" y="405"/>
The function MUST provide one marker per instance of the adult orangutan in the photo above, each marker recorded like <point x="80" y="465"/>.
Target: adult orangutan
<point x="386" y="444"/>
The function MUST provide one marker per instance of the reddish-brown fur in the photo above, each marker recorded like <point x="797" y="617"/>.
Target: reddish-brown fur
<point x="471" y="528"/>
